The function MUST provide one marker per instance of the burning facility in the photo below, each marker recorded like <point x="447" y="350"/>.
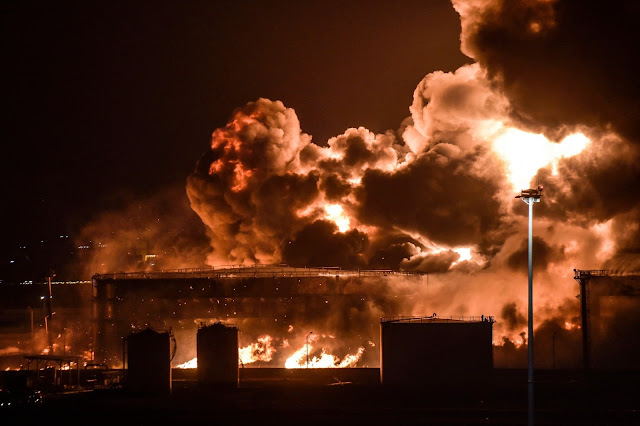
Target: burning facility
<point x="270" y="303"/>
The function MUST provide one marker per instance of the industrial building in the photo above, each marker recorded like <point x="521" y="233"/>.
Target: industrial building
<point x="164" y="299"/>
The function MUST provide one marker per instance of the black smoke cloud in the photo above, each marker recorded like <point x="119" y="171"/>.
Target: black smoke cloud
<point x="267" y="193"/>
<point x="595" y="185"/>
<point x="569" y="66"/>
<point x="244" y="189"/>
<point x="411" y="198"/>
<point x="512" y="318"/>
<point x="451" y="205"/>
<point x="416" y="197"/>
<point x="320" y="244"/>
<point x="561" y="63"/>
<point x="545" y="254"/>
<point x="431" y="263"/>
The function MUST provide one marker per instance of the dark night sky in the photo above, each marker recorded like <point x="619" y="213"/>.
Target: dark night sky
<point x="105" y="101"/>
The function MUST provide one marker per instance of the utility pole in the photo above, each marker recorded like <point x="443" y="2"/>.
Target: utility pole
<point x="50" y="314"/>
<point x="530" y="196"/>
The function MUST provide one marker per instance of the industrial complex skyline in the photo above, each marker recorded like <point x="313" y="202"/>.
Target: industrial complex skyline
<point x="147" y="136"/>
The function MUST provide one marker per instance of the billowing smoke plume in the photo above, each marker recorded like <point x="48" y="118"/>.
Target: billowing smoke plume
<point x="564" y="66"/>
<point x="268" y="194"/>
<point x="551" y="99"/>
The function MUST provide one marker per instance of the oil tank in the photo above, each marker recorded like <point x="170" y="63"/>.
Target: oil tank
<point x="436" y="353"/>
<point x="217" y="351"/>
<point x="149" y="362"/>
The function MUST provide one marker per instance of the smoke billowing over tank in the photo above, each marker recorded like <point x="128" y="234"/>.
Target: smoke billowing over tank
<point x="546" y="100"/>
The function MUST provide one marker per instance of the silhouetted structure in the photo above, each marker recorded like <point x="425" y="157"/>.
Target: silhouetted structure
<point x="218" y="355"/>
<point x="148" y="358"/>
<point x="610" y="312"/>
<point x="121" y="300"/>
<point x="436" y="352"/>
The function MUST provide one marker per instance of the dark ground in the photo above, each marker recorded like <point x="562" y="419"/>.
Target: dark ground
<point x="331" y="397"/>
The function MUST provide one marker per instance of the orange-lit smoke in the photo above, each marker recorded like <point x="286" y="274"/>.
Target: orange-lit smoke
<point x="436" y="194"/>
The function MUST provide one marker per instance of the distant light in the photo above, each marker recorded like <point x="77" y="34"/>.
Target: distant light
<point x="12" y="261"/>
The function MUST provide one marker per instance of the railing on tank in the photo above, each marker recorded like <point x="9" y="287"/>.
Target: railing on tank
<point x="435" y="318"/>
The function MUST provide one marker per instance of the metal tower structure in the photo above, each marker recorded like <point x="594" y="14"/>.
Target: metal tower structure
<point x="615" y="283"/>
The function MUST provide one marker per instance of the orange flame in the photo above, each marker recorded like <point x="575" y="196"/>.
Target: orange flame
<point x="303" y="358"/>
<point x="262" y="350"/>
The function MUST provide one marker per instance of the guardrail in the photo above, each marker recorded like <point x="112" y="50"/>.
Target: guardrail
<point x="602" y="273"/>
<point x="434" y="318"/>
<point x="255" y="271"/>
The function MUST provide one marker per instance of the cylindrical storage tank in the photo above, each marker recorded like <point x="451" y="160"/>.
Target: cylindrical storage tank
<point x="217" y="351"/>
<point x="149" y="362"/>
<point x="434" y="353"/>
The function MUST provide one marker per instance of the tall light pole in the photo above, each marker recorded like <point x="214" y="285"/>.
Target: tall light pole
<point x="49" y="316"/>
<point x="310" y="333"/>
<point x="530" y="196"/>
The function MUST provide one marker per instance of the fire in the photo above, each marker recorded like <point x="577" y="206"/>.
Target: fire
<point x="193" y="363"/>
<point x="241" y="177"/>
<point x="569" y="326"/>
<point x="335" y="213"/>
<point x="303" y="358"/>
<point x="216" y="167"/>
<point x="262" y="350"/>
<point x="350" y="360"/>
<point x="525" y="153"/>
